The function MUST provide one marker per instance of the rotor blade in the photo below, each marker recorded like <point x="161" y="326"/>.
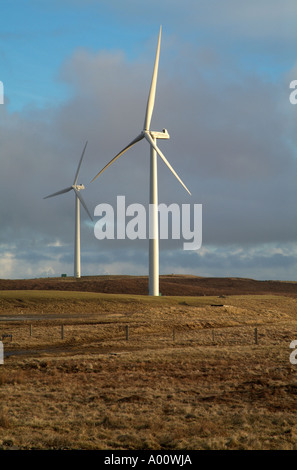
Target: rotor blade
<point x="137" y="139"/>
<point x="83" y="202"/>
<point x="151" y="141"/>
<point x="152" y="94"/>
<point x="59" y="192"/>
<point x="78" y="168"/>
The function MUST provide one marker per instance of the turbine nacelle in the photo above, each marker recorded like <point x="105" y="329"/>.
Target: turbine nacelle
<point x="159" y="135"/>
<point x="78" y="187"/>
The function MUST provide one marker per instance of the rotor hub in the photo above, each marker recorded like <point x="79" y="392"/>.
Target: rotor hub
<point x="160" y="135"/>
<point x="78" y="187"/>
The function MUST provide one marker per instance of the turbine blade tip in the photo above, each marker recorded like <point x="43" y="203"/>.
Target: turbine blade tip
<point x="94" y="179"/>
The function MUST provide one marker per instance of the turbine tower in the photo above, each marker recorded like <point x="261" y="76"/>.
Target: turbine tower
<point x="78" y="198"/>
<point x="151" y="137"/>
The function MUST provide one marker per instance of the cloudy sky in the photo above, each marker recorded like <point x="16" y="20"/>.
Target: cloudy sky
<point x="80" y="70"/>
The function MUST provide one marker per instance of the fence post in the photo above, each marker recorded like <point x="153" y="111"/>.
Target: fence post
<point x="127" y="332"/>
<point x="30" y="330"/>
<point x="62" y="332"/>
<point x="213" y="336"/>
<point x="256" y="336"/>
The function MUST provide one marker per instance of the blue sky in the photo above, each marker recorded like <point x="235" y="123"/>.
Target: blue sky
<point x="75" y="70"/>
<point x="38" y="36"/>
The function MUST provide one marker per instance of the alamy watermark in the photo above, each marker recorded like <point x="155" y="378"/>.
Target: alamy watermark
<point x="293" y="94"/>
<point x="133" y="222"/>
<point x="1" y="353"/>
<point x="293" y="359"/>
<point x="1" y="93"/>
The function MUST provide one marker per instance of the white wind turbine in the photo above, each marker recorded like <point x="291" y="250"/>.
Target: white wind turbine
<point x="151" y="137"/>
<point x="78" y="198"/>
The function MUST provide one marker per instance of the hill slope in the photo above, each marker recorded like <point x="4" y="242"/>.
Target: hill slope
<point x="169" y="285"/>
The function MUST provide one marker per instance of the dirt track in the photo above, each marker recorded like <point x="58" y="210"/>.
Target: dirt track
<point x="169" y="285"/>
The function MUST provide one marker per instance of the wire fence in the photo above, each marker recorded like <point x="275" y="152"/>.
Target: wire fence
<point x="109" y="334"/>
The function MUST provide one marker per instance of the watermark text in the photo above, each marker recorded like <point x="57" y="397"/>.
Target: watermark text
<point x="293" y="359"/>
<point x="1" y="93"/>
<point x="293" y="94"/>
<point x="133" y="222"/>
<point x="1" y="353"/>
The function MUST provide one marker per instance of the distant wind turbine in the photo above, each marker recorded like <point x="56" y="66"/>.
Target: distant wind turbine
<point x="151" y="137"/>
<point x="78" y="198"/>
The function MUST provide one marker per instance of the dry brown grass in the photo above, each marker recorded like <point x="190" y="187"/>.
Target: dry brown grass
<point x="210" y="388"/>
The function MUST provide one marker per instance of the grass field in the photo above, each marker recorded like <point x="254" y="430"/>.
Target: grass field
<point x="112" y="371"/>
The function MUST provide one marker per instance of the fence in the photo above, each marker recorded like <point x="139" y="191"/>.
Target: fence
<point x="110" y="334"/>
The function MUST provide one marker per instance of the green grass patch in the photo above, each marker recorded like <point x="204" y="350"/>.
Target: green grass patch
<point x="48" y="296"/>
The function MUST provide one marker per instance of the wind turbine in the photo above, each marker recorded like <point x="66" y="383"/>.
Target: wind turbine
<point x="78" y="198"/>
<point x="151" y="137"/>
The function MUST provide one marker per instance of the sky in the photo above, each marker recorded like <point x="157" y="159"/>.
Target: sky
<point x="80" y="70"/>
